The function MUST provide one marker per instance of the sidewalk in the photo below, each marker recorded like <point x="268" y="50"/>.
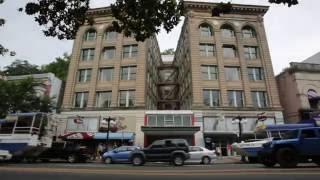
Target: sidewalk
<point x="228" y="160"/>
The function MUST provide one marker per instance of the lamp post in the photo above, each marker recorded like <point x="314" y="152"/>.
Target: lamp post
<point x="240" y="120"/>
<point x="108" y="119"/>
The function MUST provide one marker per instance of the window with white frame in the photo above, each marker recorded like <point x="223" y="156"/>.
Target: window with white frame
<point x="109" y="52"/>
<point x="103" y="99"/>
<point x="110" y="35"/>
<point x="81" y="99"/>
<point x="250" y="52"/>
<point x="227" y="31"/>
<point x="206" y="49"/>
<point x="87" y="54"/>
<point x="128" y="73"/>
<point x="106" y="74"/>
<point x="209" y="72"/>
<point x="235" y="98"/>
<point x="127" y="98"/>
<point x="248" y="32"/>
<point x="255" y="73"/>
<point x="259" y="99"/>
<point x="232" y="73"/>
<point x="205" y="30"/>
<point x="84" y="75"/>
<point x="211" y="97"/>
<point x="90" y="35"/>
<point x="167" y="120"/>
<point x="229" y="51"/>
<point x="130" y="51"/>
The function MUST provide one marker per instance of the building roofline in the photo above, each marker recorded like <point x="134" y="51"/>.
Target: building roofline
<point x="99" y="11"/>
<point x="301" y="67"/>
<point x="250" y="9"/>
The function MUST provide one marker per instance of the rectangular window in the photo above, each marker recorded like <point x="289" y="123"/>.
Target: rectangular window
<point x="111" y="35"/>
<point x="106" y="74"/>
<point x="128" y="73"/>
<point x="206" y="50"/>
<point x="209" y="72"/>
<point x="250" y="52"/>
<point x="229" y="51"/>
<point x="84" y="75"/>
<point x="103" y="99"/>
<point x="235" y="98"/>
<point x="255" y="74"/>
<point x="130" y="51"/>
<point x="81" y="99"/>
<point x="232" y="73"/>
<point x="127" y="98"/>
<point x="87" y="54"/>
<point x="259" y="99"/>
<point x="211" y="98"/>
<point x="109" y="53"/>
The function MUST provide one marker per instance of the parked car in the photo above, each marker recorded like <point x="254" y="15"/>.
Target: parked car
<point x="296" y="146"/>
<point x="121" y="154"/>
<point x="201" y="155"/>
<point x="175" y="151"/>
<point x="5" y="155"/>
<point x="70" y="152"/>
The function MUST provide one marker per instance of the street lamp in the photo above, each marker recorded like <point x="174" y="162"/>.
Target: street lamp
<point x="239" y="120"/>
<point x="108" y="119"/>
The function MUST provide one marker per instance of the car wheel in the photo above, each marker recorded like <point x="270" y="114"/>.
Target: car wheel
<point x="252" y="159"/>
<point x="108" y="160"/>
<point x="137" y="160"/>
<point x="316" y="161"/>
<point x="178" y="160"/>
<point x="72" y="158"/>
<point x="287" y="158"/>
<point x="206" y="160"/>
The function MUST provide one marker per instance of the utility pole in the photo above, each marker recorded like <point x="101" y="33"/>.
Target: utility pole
<point x="108" y="130"/>
<point x="240" y="120"/>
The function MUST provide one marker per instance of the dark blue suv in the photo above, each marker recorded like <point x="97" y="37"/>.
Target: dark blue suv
<point x="296" y="146"/>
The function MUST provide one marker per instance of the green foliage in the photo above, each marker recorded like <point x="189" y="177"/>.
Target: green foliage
<point x="168" y="52"/>
<point x="288" y="2"/>
<point x="144" y="18"/>
<point x="61" y="18"/>
<point x="58" y="67"/>
<point x="21" y="67"/>
<point x="20" y="96"/>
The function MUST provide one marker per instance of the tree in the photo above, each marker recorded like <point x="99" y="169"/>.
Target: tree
<point x="58" y="67"/>
<point x="143" y="18"/>
<point x="168" y="52"/>
<point x="21" y="67"/>
<point x="21" y="96"/>
<point x="4" y="50"/>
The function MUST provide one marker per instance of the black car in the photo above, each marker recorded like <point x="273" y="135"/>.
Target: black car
<point x="175" y="151"/>
<point x="70" y="152"/>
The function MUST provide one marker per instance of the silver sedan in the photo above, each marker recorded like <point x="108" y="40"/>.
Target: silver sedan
<point x="201" y="155"/>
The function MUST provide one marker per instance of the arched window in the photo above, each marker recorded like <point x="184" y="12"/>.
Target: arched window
<point x="313" y="98"/>
<point x="227" y="31"/>
<point x="111" y="35"/>
<point x="205" y="30"/>
<point x="248" y="32"/>
<point x="90" y="35"/>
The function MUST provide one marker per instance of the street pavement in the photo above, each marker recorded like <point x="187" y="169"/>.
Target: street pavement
<point x="225" y="168"/>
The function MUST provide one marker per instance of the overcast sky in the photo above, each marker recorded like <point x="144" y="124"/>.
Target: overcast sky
<point x="293" y="33"/>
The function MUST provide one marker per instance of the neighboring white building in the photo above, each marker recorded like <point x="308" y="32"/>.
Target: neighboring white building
<point x="52" y="84"/>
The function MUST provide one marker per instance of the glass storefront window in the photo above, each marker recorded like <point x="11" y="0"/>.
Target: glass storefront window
<point x="152" y="120"/>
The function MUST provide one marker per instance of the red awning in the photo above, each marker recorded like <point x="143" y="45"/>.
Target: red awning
<point x="78" y="136"/>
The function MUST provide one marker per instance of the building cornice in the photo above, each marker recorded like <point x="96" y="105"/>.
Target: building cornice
<point x="236" y="8"/>
<point x="96" y="12"/>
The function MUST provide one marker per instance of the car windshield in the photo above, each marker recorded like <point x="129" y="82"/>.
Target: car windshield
<point x="290" y="134"/>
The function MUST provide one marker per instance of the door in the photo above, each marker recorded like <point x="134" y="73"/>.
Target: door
<point x="195" y="154"/>
<point x="310" y="142"/>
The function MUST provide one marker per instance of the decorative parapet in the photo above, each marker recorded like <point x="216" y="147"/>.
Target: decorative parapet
<point x="236" y="8"/>
<point x="303" y="67"/>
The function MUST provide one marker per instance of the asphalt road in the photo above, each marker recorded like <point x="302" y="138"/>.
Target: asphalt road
<point x="97" y="171"/>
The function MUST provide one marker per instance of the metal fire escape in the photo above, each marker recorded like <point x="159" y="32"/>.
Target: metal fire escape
<point x="168" y="87"/>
